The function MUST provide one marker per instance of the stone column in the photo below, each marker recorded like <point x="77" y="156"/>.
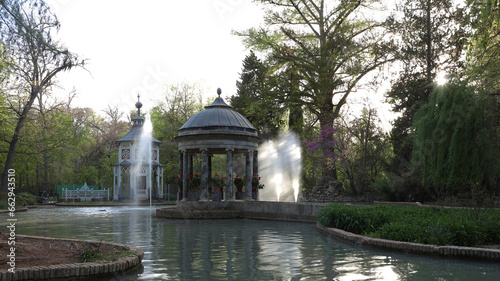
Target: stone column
<point x="190" y="165"/>
<point x="116" y="181"/>
<point x="210" y="177"/>
<point x="229" y="174"/>
<point x="161" y="191"/>
<point x="255" y="162"/>
<point x="181" y="161"/>
<point x="132" y="181"/>
<point x="181" y="175"/>
<point x="255" y="195"/>
<point x="249" y="166"/>
<point x="204" y="175"/>
<point x="185" y="175"/>
<point x="210" y="166"/>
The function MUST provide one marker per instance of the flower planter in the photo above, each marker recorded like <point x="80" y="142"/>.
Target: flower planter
<point x="193" y="196"/>
<point x="217" y="196"/>
<point x="240" y="195"/>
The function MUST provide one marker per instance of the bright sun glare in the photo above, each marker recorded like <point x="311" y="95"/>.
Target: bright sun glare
<point x="441" y="78"/>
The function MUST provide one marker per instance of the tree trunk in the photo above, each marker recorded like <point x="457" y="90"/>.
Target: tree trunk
<point x="296" y="116"/>
<point x="326" y="119"/>
<point x="353" y="185"/>
<point x="15" y="139"/>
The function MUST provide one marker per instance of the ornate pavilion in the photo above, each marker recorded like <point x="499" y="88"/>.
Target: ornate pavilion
<point x="218" y="129"/>
<point x="137" y="174"/>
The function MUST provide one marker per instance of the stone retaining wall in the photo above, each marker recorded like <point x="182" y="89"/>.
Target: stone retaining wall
<point x="79" y="270"/>
<point x="289" y="211"/>
<point x="447" y="251"/>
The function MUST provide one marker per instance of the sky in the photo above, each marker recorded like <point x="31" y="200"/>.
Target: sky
<point x="136" y="47"/>
<point x="140" y="47"/>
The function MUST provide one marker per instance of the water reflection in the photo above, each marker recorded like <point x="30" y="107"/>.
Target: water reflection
<point x="240" y="249"/>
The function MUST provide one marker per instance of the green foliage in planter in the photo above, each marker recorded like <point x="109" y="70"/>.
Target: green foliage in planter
<point x="194" y="181"/>
<point x="239" y="181"/>
<point x="217" y="180"/>
<point x="439" y="226"/>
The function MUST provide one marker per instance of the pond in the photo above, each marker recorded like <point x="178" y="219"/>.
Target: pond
<point x="240" y="249"/>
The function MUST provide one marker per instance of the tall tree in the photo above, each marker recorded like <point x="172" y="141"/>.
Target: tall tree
<point x="26" y="27"/>
<point x="452" y="142"/>
<point x="357" y="146"/>
<point x="331" y="46"/>
<point x="255" y="98"/>
<point x="432" y="40"/>
<point x="181" y="101"/>
<point x="484" y="50"/>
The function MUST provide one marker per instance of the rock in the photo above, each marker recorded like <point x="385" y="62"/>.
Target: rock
<point x="326" y="189"/>
<point x="335" y="186"/>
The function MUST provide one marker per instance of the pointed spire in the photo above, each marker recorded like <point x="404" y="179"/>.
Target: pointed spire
<point x="138" y="105"/>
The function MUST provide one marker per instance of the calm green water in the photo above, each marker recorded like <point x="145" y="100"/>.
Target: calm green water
<point x="240" y="249"/>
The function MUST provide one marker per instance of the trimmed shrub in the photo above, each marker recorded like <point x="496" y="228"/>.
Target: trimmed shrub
<point x="438" y="226"/>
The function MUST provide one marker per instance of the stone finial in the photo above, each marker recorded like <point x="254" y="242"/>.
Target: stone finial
<point x="219" y="91"/>
<point x="138" y="105"/>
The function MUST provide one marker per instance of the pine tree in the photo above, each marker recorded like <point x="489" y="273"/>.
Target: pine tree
<point x="255" y="98"/>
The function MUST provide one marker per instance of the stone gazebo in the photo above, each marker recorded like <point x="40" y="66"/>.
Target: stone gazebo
<point x="218" y="129"/>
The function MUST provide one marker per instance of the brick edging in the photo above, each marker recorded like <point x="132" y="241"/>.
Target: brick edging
<point x="69" y="270"/>
<point x="417" y="248"/>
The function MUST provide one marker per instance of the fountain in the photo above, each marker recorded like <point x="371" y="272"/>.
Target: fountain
<point x="145" y="145"/>
<point x="280" y="168"/>
<point x="138" y="156"/>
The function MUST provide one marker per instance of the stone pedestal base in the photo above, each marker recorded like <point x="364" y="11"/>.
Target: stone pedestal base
<point x="255" y="195"/>
<point x="193" y="196"/>
<point x="217" y="196"/>
<point x="240" y="195"/>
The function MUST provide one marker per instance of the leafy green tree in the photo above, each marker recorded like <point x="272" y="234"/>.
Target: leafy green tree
<point x="484" y="50"/>
<point x="367" y="149"/>
<point x="330" y="47"/>
<point x="432" y="40"/>
<point x="452" y="142"/>
<point x="26" y="27"/>
<point x="43" y="146"/>
<point x="98" y="149"/>
<point x="357" y="147"/>
<point x="181" y="101"/>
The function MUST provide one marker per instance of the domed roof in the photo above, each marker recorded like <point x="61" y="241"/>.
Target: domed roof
<point x="218" y="117"/>
<point x="138" y="123"/>
<point x="218" y="128"/>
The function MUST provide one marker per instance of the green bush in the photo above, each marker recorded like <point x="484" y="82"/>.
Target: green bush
<point x="25" y="199"/>
<point x="461" y="227"/>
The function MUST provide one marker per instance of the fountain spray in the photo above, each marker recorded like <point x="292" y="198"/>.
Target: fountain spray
<point x="280" y="165"/>
<point x="146" y="142"/>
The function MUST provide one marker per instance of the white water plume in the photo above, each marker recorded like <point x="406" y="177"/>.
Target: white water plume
<point x="280" y="166"/>
<point x="143" y="167"/>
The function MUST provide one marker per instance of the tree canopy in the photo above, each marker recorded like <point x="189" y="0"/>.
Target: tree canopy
<point x="34" y="60"/>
